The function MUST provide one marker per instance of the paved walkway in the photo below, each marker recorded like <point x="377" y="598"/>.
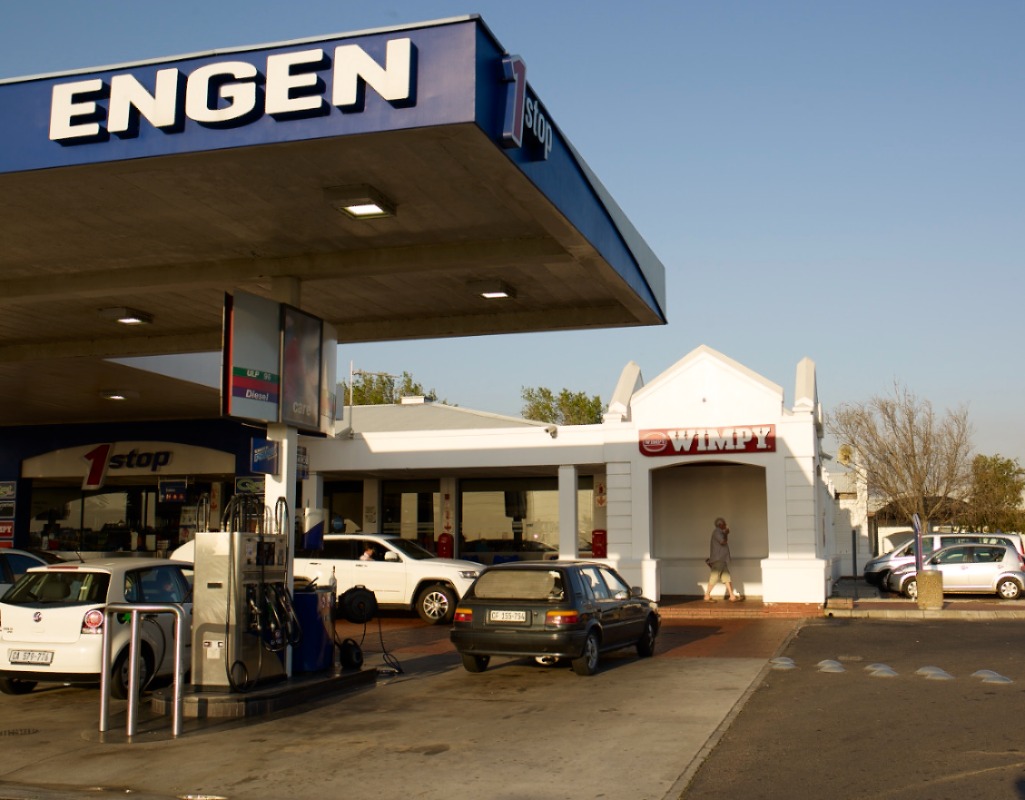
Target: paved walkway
<point x="851" y="598"/>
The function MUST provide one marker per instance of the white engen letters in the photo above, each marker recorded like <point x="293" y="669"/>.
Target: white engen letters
<point x="227" y="92"/>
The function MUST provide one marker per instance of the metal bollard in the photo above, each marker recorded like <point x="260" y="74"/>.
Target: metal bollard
<point x="134" y="609"/>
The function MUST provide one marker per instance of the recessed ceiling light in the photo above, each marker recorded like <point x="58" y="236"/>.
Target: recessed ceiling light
<point x="127" y="316"/>
<point x="493" y="289"/>
<point x="361" y="201"/>
<point x="119" y="394"/>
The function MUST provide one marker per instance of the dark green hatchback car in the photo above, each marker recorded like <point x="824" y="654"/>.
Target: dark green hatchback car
<point x="552" y="610"/>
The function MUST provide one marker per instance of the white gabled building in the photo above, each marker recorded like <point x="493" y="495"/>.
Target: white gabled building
<point x="706" y="438"/>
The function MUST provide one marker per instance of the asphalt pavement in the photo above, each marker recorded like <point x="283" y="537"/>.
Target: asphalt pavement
<point x="855" y="708"/>
<point x="519" y="731"/>
<point x="758" y="706"/>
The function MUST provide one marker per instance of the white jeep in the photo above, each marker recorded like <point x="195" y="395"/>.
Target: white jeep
<point x="400" y="573"/>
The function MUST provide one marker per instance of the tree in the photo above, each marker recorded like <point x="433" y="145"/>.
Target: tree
<point x="380" y="388"/>
<point x="995" y="500"/>
<point x="908" y="456"/>
<point x="568" y="408"/>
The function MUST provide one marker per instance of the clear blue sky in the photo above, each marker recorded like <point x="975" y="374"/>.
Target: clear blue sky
<point x="838" y="180"/>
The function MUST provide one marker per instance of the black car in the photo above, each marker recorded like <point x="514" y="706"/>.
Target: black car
<point x="552" y="610"/>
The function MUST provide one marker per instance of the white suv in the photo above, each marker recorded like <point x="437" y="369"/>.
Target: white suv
<point x="399" y="572"/>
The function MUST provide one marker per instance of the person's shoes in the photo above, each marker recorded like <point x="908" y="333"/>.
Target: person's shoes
<point x="709" y="599"/>
<point x="736" y="598"/>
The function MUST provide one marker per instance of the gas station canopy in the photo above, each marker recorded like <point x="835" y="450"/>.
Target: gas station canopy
<point x="156" y="188"/>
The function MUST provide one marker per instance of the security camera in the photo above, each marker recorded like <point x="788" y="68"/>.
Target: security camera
<point x="552" y="430"/>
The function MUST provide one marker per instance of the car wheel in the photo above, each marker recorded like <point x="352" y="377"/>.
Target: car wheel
<point x="473" y="663"/>
<point x="910" y="589"/>
<point x="587" y="664"/>
<point x="646" y="644"/>
<point x="436" y="604"/>
<point x="1009" y="589"/>
<point x="119" y="675"/>
<point x="15" y="686"/>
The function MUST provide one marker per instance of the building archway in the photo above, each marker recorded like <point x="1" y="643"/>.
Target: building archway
<point x="686" y="499"/>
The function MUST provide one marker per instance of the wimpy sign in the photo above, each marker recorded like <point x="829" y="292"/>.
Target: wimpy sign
<point x="703" y="441"/>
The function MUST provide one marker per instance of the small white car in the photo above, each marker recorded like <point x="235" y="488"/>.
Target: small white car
<point x="878" y="569"/>
<point x="983" y="568"/>
<point x="52" y="622"/>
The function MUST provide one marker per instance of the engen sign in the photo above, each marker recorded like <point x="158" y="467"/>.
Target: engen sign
<point x="705" y="441"/>
<point x="230" y="93"/>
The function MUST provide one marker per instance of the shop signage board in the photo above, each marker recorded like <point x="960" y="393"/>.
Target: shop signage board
<point x="172" y="490"/>
<point x="250" y="484"/>
<point x="706" y="441"/>
<point x="265" y="457"/>
<point x="8" y="491"/>
<point x="278" y="363"/>
<point x="301" y="355"/>
<point x="252" y="380"/>
<point x="94" y="463"/>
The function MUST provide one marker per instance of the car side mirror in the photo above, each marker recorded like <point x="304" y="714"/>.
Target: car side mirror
<point x="635" y="591"/>
<point x="391" y="555"/>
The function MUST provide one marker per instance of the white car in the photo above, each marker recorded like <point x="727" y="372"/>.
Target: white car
<point x="990" y="568"/>
<point x="400" y="573"/>
<point x="52" y="622"/>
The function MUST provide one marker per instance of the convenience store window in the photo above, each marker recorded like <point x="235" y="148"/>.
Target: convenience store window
<point x="114" y="519"/>
<point x="518" y="518"/>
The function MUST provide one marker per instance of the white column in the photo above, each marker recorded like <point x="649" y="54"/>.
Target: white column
<point x="281" y="487"/>
<point x="313" y="501"/>
<point x="568" y="519"/>
<point x="371" y="512"/>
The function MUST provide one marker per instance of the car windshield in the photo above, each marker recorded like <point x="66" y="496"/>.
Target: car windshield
<point x="59" y="588"/>
<point x="410" y="548"/>
<point x="519" y="584"/>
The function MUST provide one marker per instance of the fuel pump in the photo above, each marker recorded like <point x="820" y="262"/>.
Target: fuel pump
<point x="243" y="617"/>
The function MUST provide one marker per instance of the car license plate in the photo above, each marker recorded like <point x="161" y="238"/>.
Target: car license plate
<point x="31" y="657"/>
<point x="508" y="616"/>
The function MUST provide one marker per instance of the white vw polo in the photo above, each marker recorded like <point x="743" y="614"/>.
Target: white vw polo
<point x="52" y="622"/>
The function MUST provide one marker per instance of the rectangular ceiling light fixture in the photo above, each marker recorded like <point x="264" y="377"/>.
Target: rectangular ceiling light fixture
<point x="127" y="316"/>
<point x="119" y="394"/>
<point x="361" y="201"/>
<point x="493" y="289"/>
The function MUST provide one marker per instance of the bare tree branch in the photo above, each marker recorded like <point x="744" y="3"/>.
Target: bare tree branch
<point x="905" y="453"/>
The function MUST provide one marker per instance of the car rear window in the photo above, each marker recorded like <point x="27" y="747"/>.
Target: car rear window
<point x="524" y="584"/>
<point x="59" y="588"/>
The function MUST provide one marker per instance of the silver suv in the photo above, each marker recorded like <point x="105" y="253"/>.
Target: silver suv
<point x="399" y="572"/>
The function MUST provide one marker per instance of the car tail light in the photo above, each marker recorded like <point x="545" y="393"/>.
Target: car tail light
<point x="463" y="615"/>
<point x="92" y="622"/>
<point x="562" y="617"/>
